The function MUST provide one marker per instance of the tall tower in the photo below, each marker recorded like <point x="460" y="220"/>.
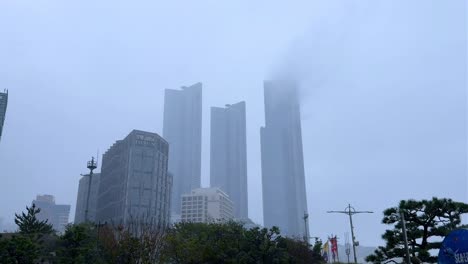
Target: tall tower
<point x="3" y="108"/>
<point x="183" y="130"/>
<point x="284" y="192"/>
<point x="228" y="161"/>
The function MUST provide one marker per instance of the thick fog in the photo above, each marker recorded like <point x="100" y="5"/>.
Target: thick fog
<point x="383" y="92"/>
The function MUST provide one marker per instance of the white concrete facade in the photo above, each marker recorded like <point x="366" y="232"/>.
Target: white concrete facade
<point x="206" y="205"/>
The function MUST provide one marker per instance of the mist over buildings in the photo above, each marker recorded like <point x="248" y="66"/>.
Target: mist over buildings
<point x="382" y="89"/>
<point x="382" y="108"/>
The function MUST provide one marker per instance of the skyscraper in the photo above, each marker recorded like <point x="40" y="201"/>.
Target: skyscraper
<point x="80" y="210"/>
<point x="134" y="183"/>
<point x="228" y="161"/>
<point x="55" y="214"/>
<point x="3" y="108"/>
<point x="183" y="130"/>
<point x="284" y="192"/>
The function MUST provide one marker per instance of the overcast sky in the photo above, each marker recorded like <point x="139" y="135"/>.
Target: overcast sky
<point x="383" y="92"/>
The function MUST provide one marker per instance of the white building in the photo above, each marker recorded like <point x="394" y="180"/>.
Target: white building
<point x="205" y="205"/>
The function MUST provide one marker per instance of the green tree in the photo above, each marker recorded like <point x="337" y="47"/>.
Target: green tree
<point x="33" y="242"/>
<point x="300" y="252"/>
<point x="138" y="241"/>
<point x="79" y="244"/>
<point x="427" y="222"/>
<point x="200" y="243"/>
<point x="232" y="243"/>
<point x="29" y="224"/>
<point x="265" y="245"/>
<point x="18" y="249"/>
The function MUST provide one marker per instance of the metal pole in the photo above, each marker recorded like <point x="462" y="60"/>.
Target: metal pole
<point x="91" y="167"/>
<point x="306" y="235"/>
<point x="352" y="232"/>
<point x="87" y="197"/>
<point x="350" y="211"/>
<point x="347" y="246"/>
<point x="405" y="237"/>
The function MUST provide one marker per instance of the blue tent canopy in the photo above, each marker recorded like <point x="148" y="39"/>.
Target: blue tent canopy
<point x="454" y="248"/>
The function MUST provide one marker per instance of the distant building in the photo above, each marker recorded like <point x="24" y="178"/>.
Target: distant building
<point x="82" y="196"/>
<point x="55" y="214"/>
<point x="205" y="205"/>
<point x="228" y="158"/>
<point x="134" y="183"/>
<point x="283" y="178"/>
<point x="183" y="130"/>
<point x="3" y="108"/>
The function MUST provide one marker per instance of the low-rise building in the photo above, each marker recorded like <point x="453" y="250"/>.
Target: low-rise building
<point x="206" y="205"/>
<point x="55" y="214"/>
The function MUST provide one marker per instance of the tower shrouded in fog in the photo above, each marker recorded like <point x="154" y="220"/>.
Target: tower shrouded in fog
<point x="3" y="108"/>
<point x="228" y="161"/>
<point x="183" y="130"/>
<point x="283" y="177"/>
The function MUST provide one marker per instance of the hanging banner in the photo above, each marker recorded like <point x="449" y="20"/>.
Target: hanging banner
<point x="325" y="251"/>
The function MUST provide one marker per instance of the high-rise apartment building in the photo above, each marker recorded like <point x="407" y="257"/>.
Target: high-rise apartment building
<point x="3" y="108"/>
<point x="55" y="214"/>
<point x="228" y="155"/>
<point x="82" y="196"/>
<point x="183" y="130"/>
<point x="134" y="183"/>
<point x="283" y="178"/>
<point x="206" y="205"/>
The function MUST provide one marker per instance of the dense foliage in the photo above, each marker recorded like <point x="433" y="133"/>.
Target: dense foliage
<point x="427" y="223"/>
<point x="231" y="243"/>
<point x="32" y="242"/>
<point x="139" y="243"/>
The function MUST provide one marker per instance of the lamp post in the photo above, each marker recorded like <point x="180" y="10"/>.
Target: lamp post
<point x="306" y="227"/>
<point x="350" y="211"/>
<point x="91" y="166"/>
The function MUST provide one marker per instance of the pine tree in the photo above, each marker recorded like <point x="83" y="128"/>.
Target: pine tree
<point x="28" y="223"/>
<point x="427" y="223"/>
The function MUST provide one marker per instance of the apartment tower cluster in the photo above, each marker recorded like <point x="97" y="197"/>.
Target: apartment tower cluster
<point x="146" y="176"/>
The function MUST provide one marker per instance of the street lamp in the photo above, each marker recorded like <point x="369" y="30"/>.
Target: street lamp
<point x="350" y="211"/>
<point x="92" y="165"/>
<point x="306" y="227"/>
